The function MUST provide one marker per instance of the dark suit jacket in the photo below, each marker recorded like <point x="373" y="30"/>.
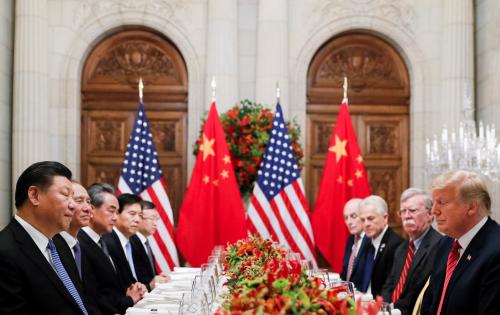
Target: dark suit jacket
<point x="474" y="287"/>
<point x="66" y="255"/>
<point x="100" y="278"/>
<point x="121" y="263"/>
<point x="357" y="270"/>
<point x="418" y="273"/>
<point x="381" y="266"/>
<point x="141" y="262"/>
<point x="28" y="283"/>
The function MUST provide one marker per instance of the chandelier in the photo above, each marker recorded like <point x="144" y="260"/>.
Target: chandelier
<point x="470" y="148"/>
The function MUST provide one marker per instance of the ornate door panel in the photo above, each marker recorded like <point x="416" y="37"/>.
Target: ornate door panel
<point x="110" y="103"/>
<point x="378" y="104"/>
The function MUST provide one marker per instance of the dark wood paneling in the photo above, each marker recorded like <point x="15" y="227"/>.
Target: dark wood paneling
<point x="110" y="102"/>
<point x="379" y="94"/>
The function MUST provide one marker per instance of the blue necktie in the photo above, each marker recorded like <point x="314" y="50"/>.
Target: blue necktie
<point x="63" y="275"/>
<point x="370" y="262"/>
<point x="130" y="259"/>
<point x="150" y="256"/>
<point x="78" y="258"/>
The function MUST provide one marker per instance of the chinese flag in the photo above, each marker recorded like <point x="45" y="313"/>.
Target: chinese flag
<point x="344" y="178"/>
<point x="212" y="212"/>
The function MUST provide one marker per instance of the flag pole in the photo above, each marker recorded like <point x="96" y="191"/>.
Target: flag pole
<point x="141" y="87"/>
<point x="214" y="86"/>
<point x="277" y="91"/>
<point x="345" y="87"/>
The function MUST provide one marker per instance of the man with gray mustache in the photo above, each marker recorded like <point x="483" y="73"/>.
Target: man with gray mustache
<point x="413" y="258"/>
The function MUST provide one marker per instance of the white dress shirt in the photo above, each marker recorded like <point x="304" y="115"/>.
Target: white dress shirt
<point x="465" y="239"/>
<point x="92" y="234"/>
<point x="123" y="240"/>
<point x="143" y="239"/>
<point x="70" y="240"/>
<point x="38" y="237"/>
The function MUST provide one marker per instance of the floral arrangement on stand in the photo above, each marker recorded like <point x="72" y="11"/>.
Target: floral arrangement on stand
<point x="262" y="279"/>
<point x="247" y="126"/>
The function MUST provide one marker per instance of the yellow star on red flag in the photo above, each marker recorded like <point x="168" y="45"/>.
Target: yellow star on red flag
<point x="226" y="159"/>
<point x="349" y="183"/>
<point x="359" y="159"/>
<point x="339" y="148"/>
<point x="224" y="174"/>
<point x="358" y="174"/>
<point x="206" y="179"/>
<point x="207" y="147"/>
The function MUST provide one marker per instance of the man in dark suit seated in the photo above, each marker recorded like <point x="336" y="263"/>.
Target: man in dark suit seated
<point x="67" y="243"/>
<point x="379" y="256"/>
<point x="413" y="259"/>
<point x="356" y="243"/>
<point x="100" y="277"/>
<point x="144" y="260"/>
<point x="33" y="279"/>
<point x="465" y="277"/>
<point x="118" y="243"/>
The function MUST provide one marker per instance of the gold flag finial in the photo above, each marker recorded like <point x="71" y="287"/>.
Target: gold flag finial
<point x="214" y="86"/>
<point x="141" y="88"/>
<point x="277" y="91"/>
<point x="345" y="87"/>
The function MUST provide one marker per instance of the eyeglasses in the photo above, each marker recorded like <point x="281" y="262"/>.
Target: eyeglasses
<point x="410" y="211"/>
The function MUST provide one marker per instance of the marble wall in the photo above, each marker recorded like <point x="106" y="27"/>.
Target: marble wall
<point x="249" y="45"/>
<point x="6" y="48"/>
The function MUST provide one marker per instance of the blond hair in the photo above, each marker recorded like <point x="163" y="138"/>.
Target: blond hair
<point x="470" y="187"/>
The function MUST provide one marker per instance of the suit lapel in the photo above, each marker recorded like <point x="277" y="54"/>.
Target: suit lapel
<point x="32" y="252"/>
<point x="472" y="251"/>
<point x="381" y="248"/>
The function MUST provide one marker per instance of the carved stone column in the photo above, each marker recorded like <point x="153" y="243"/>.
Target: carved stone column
<point x="6" y="20"/>
<point x="272" y="51"/>
<point x="457" y="64"/>
<point x="31" y="124"/>
<point x="222" y="52"/>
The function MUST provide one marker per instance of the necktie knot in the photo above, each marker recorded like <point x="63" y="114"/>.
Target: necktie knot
<point x="51" y="246"/>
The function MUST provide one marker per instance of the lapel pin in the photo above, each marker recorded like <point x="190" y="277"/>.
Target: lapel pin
<point x="382" y="246"/>
<point x="469" y="257"/>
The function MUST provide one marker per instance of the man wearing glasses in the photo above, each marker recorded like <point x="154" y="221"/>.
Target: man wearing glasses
<point x="144" y="261"/>
<point x="413" y="259"/>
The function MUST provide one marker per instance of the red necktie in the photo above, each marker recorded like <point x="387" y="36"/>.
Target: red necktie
<point x="399" y="288"/>
<point x="450" y="267"/>
<point x="352" y="258"/>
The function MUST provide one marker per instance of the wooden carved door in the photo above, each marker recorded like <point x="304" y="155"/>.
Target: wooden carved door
<point x="110" y="102"/>
<point x="379" y="94"/>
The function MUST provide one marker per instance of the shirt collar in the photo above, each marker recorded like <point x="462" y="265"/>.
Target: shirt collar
<point x="376" y="241"/>
<point x="141" y="237"/>
<point x="418" y="241"/>
<point x="92" y="234"/>
<point x="70" y="240"/>
<point x="465" y="239"/>
<point x="38" y="237"/>
<point x="123" y="239"/>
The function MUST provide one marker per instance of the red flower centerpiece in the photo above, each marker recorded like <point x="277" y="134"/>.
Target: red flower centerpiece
<point x="247" y="126"/>
<point x="262" y="280"/>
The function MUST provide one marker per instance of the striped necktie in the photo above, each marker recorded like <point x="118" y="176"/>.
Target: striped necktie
<point x="352" y="258"/>
<point x="63" y="275"/>
<point x="401" y="283"/>
<point x="450" y="267"/>
<point x="78" y="258"/>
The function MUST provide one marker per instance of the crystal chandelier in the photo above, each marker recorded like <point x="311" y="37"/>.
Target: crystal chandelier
<point x="472" y="148"/>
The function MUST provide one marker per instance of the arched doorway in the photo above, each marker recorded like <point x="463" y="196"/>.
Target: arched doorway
<point x="379" y="94"/>
<point x="110" y="101"/>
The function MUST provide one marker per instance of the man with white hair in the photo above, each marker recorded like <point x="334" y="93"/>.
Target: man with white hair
<point x="465" y="277"/>
<point x="356" y="243"/>
<point x="379" y="257"/>
<point x="414" y="258"/>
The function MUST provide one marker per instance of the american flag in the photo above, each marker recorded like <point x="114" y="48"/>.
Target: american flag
<point x="141" y="175"/>
<point x="278" y="208"/>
